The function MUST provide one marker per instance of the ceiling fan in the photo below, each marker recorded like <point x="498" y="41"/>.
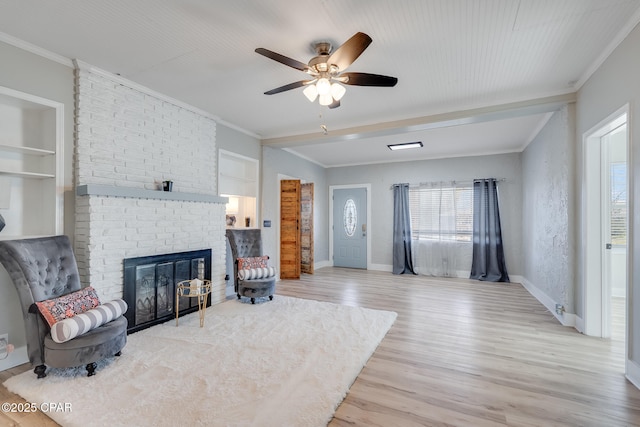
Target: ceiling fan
<point x="327" y="71"/>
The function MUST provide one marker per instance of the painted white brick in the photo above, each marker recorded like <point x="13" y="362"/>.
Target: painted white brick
<point x="132" y="139"/>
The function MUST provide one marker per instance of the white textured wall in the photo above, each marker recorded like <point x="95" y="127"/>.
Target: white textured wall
<point x="548" y="209"/>
<point x="127" y="137"/>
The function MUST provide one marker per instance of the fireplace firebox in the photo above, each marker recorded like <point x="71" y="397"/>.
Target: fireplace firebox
<point x="150" y="286"/>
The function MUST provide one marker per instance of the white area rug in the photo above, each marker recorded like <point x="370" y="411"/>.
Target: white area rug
<point x="286" y="362"/>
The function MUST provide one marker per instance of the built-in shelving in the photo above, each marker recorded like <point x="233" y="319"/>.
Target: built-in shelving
<point x="31" y="190"/>
<point x="31" y="164"/>
<point x="238" y="179"/>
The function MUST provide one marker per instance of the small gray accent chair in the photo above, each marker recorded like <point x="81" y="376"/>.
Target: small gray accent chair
<point x="44" y="268"/>
<point x="248" y="243"/>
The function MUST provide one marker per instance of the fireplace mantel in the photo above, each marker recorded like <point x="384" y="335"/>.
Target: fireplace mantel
<point x="140" y="193"/>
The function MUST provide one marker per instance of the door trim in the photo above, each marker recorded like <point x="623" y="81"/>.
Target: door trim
<point x="332" y="188"/>
<point x="595" y="323"/>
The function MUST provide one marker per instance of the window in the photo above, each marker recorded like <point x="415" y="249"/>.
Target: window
<point x="619" y="204"/>
<point x="442" y="212"/>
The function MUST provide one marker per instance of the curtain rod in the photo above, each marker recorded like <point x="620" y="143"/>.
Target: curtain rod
<point x="449" y="182"/>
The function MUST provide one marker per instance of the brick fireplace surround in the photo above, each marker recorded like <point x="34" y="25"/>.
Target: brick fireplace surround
<point x="128" y="140"/>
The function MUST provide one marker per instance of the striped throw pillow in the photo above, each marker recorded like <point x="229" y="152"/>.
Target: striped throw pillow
<point x="256" y="273"/>
<point x="82" y="323"/>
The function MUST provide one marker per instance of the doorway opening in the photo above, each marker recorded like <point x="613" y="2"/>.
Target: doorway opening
<point x="606" y="183"/>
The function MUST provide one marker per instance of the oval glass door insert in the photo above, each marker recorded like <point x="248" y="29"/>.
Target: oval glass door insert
<point x="350" y="217"/>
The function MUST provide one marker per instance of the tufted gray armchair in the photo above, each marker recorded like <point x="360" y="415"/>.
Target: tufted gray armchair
<point x="45" y="268"/>
<point x="248" y="243"/>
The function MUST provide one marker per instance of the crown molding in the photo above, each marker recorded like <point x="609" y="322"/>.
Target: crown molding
<point x="21" y="44"/>
<point x="622" y="34"/>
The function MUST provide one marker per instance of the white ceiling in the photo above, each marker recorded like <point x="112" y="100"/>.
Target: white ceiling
<point x="475" y="77"/>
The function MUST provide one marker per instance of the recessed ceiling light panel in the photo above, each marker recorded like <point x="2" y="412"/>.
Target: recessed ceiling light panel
<point x="405" y="145"/>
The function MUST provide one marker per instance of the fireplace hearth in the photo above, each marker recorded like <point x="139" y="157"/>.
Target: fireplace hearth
<point x="150" y="286"/>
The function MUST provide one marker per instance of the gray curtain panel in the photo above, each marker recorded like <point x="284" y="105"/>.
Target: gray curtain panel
<point x="402" y="259"/>
<point x="488" y="254"/>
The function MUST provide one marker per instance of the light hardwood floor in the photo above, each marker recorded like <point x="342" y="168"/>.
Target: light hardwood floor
<point x="463" y="353"/>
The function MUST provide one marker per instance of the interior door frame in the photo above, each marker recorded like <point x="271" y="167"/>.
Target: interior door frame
<point x="367" y="187"/>
<point x="595" y="317"/>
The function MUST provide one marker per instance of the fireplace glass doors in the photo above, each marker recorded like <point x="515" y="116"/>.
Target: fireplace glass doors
<point x="150" y="286"/>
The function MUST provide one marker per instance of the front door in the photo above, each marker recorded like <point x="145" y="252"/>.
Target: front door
<point x="350" y="228"/>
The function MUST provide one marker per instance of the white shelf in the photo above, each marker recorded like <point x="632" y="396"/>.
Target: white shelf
<point x="237" y="178"/>
<point x="32" y="175"/>
<point x="27" y="150"/>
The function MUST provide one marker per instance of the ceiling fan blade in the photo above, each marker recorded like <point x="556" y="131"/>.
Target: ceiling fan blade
<point x="334" y="104"/>
<point x="287" y="87"/>
<point x="366" y="79"/>
<point x="349" y="51"/>
<point x="283" y="59"/>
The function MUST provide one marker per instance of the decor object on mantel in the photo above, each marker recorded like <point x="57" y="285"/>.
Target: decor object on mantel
<point x="44" y="269"/>
<point x="292" y="367"/>
<point x="327" y="71"/>
<point x="2" y="223"/>
<point x="167" y="185"/>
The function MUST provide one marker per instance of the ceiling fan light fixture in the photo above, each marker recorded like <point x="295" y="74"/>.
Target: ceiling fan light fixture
<point x="337" y="91"/>
<point x="326" y="99"/>
<point x="323" y="86"/>
<point x="311" y="92"/>
<point x="327" y="71"/>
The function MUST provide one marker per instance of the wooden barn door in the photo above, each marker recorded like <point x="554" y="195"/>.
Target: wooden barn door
<point x="290" y="229"/>
<point x="306" y="228"/>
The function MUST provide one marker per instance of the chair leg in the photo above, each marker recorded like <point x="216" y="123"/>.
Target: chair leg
<point x="270" y="297"/>
<point x="253" y="300"/>
<point x="40" y="371"/>
<point x="91" y="369"/>
<point x="238" y="296"/>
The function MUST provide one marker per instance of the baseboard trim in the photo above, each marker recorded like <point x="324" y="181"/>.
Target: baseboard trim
<point x="381" y="267"/>
<point x="566" y="319"/>
<point x="579" y="324"/>
<point x="322" y="264"/>
<point x="633" y="373"/>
